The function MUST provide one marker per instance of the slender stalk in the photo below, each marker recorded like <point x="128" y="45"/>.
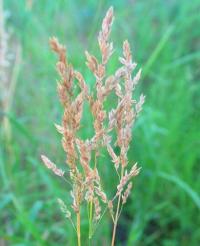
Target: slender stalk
<point x="90" y="220"/>
<point x="78" y="225"/>
<point x="117" y="214"/>
<point x="115" y="221"/>
<point x="91" y="207"/>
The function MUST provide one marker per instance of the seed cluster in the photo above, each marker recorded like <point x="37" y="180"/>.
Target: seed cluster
<point x="119" y="121"/>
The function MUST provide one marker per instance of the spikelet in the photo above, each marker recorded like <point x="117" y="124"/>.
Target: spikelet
<point x="126" y="193"/>
<point x="97" y="209"/>
<point x="106" y="48"/>
<point x="110" y="207"/>
<point x="101" y="194"/>
<point x="50" y="165"/>
<point x="115" y="158"/>
<point x="124" y="180"/>
<point x="63" y="208"/>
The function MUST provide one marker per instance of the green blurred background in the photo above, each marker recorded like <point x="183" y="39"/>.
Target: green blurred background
<point x="164" y="208"/>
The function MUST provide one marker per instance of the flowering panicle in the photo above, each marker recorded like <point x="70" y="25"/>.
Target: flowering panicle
<point x="117" y="123"/>
<point x="10" y="60"/>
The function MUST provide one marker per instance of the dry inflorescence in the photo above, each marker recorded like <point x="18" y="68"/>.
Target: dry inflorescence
<point x="118" y="121"/>
<point x="4" y="58"/>
<point x="10" y="57"/>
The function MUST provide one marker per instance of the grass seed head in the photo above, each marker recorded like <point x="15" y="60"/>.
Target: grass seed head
<point x="118" y="122"/>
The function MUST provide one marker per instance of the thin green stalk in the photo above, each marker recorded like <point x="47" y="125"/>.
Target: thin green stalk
<point x="115" y="221"/>
<point x="91" y="207"/>
<point x="117" y="214"/>
<point x="78" y="225"/>
<point x="90" y="220"/>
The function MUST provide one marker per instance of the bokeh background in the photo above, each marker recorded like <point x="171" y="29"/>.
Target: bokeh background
<point x="164" y="208"/>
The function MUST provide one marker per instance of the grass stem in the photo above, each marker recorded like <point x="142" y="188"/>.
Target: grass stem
<point x="90" y="219"/>
<point x="117" y="214"/>
<point x="78" y="225"/>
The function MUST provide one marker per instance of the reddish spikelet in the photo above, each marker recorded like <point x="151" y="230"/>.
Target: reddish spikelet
<point x="126" y="193"/>
<point x="106" y="48"/>
<point x="97" y="208"/>
<point x="50" y="165"/>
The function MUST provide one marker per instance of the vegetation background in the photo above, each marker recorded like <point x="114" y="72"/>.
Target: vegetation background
<point x="164" y="208"/>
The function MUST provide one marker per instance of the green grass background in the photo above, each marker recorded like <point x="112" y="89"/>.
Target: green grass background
<point x="164" y="208"/>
